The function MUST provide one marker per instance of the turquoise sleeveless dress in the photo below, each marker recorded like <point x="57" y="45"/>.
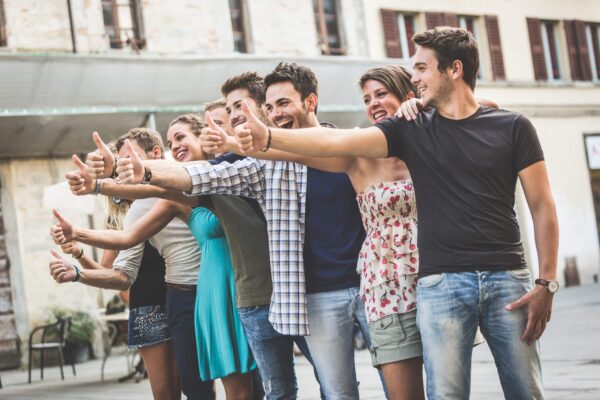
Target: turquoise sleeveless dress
<point x="220" y="339"/>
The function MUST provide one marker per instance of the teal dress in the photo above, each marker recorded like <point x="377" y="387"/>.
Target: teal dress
<point x="220" y="339"/>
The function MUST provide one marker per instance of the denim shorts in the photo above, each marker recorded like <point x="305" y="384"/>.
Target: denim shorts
<point x="148" y="325"/>
<point x="395" y="338"/>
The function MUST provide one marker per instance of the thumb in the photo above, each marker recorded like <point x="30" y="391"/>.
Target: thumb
<point x="129" y="151"/>
<point x="98" y="140"/>
<point x="250" y="116"/>
<point x="210" y="122"/>
<point x="78" y="163"/>
<point x="58" y="216"/>
<point x="517" y="304"/>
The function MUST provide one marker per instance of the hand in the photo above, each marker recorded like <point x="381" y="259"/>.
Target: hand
<point x="254" y="134"/>
<point x="71" y="248"/>
<point x="100" y="163"/>
<point x="213" y="139"/>
<point x="60" y="269"/>
<point x="130" y="168"/>
<point x="80" y="182"/>
<point x="62" y="232"/>
<point x="538" y="302"/>
<point x="409" y="109"/>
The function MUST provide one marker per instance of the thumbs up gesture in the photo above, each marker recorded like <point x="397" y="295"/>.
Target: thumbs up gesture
<point x="80" y="182"/>
<point x="63" y="231"/>
<point x="253" y="134"/>
<point x="60" y="269"/>
<point x="101" y="162"/>
<point x="214" y="139"/>
<point x="130" y="168"/>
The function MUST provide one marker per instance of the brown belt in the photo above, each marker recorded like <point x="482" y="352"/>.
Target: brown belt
<point x="181" y="287"/>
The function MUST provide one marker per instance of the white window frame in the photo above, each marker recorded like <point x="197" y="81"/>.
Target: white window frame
<point x="591" y="52"/>
<point x="547" y="54"/>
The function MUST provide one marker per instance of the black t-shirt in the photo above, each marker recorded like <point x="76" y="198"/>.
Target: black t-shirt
<point x="149" y="289"/>
<point x="465" y="173"/>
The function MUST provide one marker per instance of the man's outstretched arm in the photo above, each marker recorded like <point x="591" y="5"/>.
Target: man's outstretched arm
<point x="313" y="142"/>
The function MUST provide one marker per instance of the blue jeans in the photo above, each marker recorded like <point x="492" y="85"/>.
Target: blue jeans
<point x="273" y="353"/>
<point x="180" y="311"/>
<point x="332" y="316"/>
<point x="451" y="306"/>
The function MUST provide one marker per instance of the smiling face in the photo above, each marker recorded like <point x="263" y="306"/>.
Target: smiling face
<point x="379" y="101"/>
<point x="285" y="108"/>
<point x="434" y="85"/>
<point x="234" y="106"/>
<point x="184" y="145"/>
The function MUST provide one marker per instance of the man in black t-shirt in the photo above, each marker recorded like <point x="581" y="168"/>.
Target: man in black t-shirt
<point x="464" y="160"/>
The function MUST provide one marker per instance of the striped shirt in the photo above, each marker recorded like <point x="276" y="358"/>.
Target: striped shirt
<point x="280" y="189"/>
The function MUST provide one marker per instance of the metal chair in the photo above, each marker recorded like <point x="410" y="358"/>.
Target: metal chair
<point x="61" y="329"/>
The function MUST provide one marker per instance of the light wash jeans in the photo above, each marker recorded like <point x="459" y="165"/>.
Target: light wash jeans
<point x="451" y="306"/>
<point x="331" y="316"/>
<point x="273" y="353"/>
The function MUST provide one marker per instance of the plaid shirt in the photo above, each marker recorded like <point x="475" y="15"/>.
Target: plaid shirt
<point x="280" y="189"/>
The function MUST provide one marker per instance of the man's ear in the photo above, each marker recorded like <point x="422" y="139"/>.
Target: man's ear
<point x="156" y="152"/>
<point x="456" y="69"/>
<point x="409" y="95"/>
<point x="311" y="102"/>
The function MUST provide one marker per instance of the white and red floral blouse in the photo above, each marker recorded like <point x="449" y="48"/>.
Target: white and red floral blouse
<point x="389" y="259"/>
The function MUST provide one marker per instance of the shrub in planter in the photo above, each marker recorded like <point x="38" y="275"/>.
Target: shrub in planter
<point x="81" y="333"/>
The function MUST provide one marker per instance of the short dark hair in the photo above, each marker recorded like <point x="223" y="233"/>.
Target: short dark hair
<point x="302" y="77"/>
<point x="251" y="81"/>
<point x="395" y="78"/>
<point x="146" y="138"/>
<point x="452" y="44"/>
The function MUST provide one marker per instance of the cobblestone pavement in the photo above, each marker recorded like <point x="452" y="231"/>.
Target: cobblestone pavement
<point x="570" y="360"/>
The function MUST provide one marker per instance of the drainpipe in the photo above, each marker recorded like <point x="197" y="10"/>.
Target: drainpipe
<point x="72" y="26"/>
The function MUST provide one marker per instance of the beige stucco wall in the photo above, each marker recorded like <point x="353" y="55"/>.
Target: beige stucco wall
<point x="27" y="225"/>
<point x="511" y="19"/>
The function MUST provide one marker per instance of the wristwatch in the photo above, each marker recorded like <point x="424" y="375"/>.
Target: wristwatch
<point x="551" y="286"/>
<point x="147" y="176"/>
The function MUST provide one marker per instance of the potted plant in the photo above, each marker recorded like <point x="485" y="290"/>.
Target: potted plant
<point x="81" y="333"/>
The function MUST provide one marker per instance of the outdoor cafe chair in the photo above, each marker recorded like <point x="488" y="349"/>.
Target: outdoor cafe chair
<point x="59" y="331"/>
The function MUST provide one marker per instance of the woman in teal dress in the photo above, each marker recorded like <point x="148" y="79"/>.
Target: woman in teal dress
<point x="221" y="342"/>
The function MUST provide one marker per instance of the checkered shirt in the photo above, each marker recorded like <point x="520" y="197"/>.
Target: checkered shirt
<point x="280" y="189"/>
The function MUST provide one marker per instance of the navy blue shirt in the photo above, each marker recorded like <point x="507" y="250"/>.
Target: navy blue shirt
<point x="333" y="233"/>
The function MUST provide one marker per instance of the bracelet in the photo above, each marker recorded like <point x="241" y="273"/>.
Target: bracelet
<point x="98" y="188"/>
<point x="268" y="141"/>
<point x="77" y="257"/>
<point x="77" y="272"/>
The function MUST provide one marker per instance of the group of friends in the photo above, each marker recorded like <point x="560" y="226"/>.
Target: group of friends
<point x="271" y="229"/>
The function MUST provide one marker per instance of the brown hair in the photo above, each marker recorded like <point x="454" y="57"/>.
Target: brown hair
<point x="251" y="81"/>
<point x="452" y="44"/>
<point x="146" y="138"/>
<point x="212" y="105"/>
<point x="395" y="78"/>
<point x="302" y="77"/>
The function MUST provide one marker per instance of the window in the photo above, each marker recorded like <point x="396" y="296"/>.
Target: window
<point x="237" y="23"/>
<point x="326" y="17"/>
<point x="123" y="23"/>
<point x="3" y="33"/>
<point x="544" y="49"/>
<point x="591" y="33"/>
<point x="398" y="30"/>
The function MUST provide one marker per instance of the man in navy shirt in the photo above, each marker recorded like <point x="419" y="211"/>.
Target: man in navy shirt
<point x="464" y="160"/>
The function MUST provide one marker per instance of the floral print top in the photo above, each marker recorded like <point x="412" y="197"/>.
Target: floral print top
<point x="389" y="260"/>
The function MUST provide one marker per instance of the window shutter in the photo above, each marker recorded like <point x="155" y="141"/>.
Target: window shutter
<point x="583" y="50"/>
<point x="138" y="23"/>
<point x="572" y="48"/>
<point x="450" y="19"/>
<point x="434" y="19"/>
<point x="537" y="49"/>
<point x="391" y="33"/>
<point x="495" y="45"/>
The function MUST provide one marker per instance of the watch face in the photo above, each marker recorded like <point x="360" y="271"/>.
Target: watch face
<point x="553" y="286"/>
